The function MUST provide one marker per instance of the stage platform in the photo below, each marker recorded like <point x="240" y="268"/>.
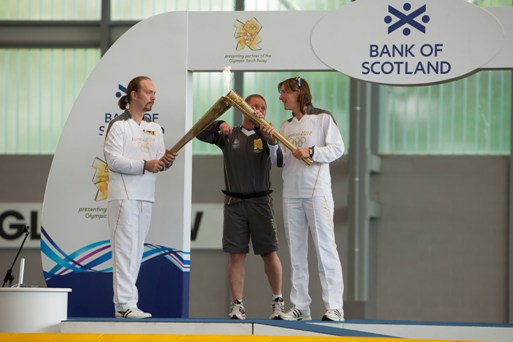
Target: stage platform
<point x="262" y="327"/>
<point x="262" y="330"/>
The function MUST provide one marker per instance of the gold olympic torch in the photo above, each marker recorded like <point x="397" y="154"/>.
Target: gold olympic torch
<point x="217" y="109"/>
<point x="235" y="100"/>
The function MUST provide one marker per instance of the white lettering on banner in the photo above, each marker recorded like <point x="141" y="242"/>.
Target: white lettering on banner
<point x="206" y="230"/>
<point x="407" y="42"/>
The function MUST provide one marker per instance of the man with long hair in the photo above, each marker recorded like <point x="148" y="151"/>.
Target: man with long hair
<point x="135" y="153"/>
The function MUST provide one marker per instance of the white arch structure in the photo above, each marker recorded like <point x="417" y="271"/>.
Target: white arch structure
<point x="169" y="48"/>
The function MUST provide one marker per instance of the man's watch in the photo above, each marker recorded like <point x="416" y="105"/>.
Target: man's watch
<point x="311" y="151"/>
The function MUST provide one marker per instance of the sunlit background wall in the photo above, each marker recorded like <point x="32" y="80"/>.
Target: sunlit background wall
<point x="39" y="86"/>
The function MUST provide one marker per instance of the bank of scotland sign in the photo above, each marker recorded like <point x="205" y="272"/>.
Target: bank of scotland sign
<point x="407" y="42"/>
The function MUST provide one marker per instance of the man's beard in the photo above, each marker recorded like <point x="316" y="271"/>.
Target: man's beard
<point x="148" y="107"/>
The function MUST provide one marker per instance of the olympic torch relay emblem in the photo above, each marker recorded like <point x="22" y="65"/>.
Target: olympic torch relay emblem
<point x="101" y="176"/>
<point x="246" y="34"/>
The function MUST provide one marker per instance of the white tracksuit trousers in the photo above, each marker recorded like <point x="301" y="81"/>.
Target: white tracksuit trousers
<point x="129" y="222"/>
<point x="316" y="212"/>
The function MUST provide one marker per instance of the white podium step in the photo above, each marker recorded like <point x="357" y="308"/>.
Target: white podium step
<point x="439" y="331"/>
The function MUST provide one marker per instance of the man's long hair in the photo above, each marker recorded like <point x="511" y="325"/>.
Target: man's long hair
<point x="134" y="85"/>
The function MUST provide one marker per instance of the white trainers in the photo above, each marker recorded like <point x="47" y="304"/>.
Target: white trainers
<point x="296" y="315"/>
<point x="333" y="315"/>
<point x="133" y="313"/>
<point x="278" y="307"/>
<point x="237" y="311"/>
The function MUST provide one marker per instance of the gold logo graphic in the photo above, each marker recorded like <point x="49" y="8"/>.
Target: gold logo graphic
<point x="101" y="176"/>
<point x="258" y="145"/>
<point x="150" y="132"/>
<point x="246" y="34"/>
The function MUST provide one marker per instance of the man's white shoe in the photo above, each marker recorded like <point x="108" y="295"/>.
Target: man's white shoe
<point x="237" y="311"/>
<point x="296" y="315"/>
<point x="133" y="313"/>
<point x="278" y="307"/>
<point x="333" y="315"/>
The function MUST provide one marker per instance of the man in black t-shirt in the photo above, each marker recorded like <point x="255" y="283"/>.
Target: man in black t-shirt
<point x="248" y="210"/>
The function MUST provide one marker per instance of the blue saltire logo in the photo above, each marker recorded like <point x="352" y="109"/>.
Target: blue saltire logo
<point x="121" y="92"/>
<point x="406" y="18"/>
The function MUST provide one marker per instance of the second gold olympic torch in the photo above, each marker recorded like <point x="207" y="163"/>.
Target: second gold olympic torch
<point x="235" y="100"/>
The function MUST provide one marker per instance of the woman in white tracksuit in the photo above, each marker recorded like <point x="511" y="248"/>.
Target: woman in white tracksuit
<point x="308" y="200"/>
<point x="135" y="153"/>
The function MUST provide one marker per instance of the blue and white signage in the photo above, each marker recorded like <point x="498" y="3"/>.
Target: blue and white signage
<point x="407" y="41"/>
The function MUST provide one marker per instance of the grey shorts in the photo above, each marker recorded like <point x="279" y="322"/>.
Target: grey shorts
<point x="249" y="219"/>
